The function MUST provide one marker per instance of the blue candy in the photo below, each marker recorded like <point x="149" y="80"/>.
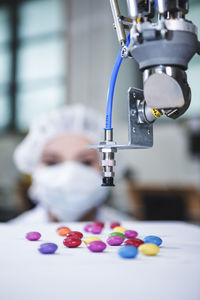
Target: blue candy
<point x="48" y="248"/>
<point x="128" y="251"/>
<point x="153" y="240"/>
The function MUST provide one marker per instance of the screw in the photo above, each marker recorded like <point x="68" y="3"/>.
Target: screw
<point x="124" y="52"/>
<point x="133" y="111"/>
<point x="134" y="130"/>
<point x="148" y="131"/>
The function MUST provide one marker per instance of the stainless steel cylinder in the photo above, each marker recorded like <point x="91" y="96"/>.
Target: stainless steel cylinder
<point x="173" y="5"/>
<point x="132" y="8"/>
<point x="119" y="27"/>
<point x="169" y="91"/>
<point x="108" y="135"/>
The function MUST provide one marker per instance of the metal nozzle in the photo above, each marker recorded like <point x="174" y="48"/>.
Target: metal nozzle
<point x="108" y="158"/>
<point x="107" y="181"/>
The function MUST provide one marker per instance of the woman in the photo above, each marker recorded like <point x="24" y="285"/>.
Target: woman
<point x="66" y="177"/>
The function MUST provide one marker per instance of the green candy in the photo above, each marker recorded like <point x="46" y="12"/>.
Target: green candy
<point x="117" y="233"/>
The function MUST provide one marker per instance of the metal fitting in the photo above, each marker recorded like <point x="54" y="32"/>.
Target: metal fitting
<point x="108" y="158"/>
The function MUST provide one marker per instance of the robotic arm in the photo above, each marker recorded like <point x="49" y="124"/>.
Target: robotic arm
<point x="162" y="50"/>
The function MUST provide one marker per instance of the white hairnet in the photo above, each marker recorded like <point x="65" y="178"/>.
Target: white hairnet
<point x="72" y="118"/>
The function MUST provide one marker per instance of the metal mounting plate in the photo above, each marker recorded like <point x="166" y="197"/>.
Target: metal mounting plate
<point x="140" y="135"/>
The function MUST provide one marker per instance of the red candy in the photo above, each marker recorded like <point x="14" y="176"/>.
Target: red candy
<point x="134" y="242"/>
<point x="75" y="234"/>
<point x="114" y="224"/>
<point x="100" y="224"/>
<point x="72" y="242"/>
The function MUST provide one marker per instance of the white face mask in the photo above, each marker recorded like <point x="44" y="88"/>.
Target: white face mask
<point x="68" y="190"/>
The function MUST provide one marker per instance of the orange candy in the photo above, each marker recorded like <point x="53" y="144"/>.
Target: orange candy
<point x="63" y="231"/>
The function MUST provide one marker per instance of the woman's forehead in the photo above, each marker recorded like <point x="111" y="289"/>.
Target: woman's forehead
<point x="68" y="143"/>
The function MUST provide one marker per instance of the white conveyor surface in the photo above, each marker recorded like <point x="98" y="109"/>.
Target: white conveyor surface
<point x="74" y="274"/>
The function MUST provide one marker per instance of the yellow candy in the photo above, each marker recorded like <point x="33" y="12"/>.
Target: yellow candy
<point x="90" y="239"/>
<point x="119" y="229"/>
<point x="149" y="249"/>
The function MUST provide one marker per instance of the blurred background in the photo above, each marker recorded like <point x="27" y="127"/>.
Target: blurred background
<point x="58" y="52"/>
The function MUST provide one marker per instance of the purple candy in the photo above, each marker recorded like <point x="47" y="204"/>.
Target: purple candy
<point x="115" y="240"/>
<point x="88" y="228"/>
<point x="48" y="248"/>
<point x="130" y="234"/>
<point x="96" y="229"/>
<point x="96" y="246"/>
<point x="33" y="236"/>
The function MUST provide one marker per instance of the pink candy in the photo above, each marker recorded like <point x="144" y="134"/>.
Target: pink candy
<point x="88" y="227"/>
<point x="33" y="236"/>
<point x="95" y="229"/>
<point x="115" y="240"/>
<point x="96" y="246"/>
<point x="130" y="234"/>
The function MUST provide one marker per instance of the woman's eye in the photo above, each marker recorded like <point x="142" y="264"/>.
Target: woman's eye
<point x="87" y="162"/>
<point x="50" y="162"/>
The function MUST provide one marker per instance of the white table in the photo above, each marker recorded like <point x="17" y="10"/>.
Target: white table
<point x="174" y="274"/>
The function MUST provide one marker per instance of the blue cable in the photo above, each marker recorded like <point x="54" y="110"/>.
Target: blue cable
<point x="156" y="2"/>
<point x="112" y="88"/>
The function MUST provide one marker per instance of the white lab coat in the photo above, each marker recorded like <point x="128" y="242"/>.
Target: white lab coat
<point x="39" y="215"/>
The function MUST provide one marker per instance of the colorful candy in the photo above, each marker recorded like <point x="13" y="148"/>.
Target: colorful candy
<point x="48" y="248"/>
<point x="97" y="223"/>
<point x="88" y="227"/>
<point x="149" y="249"/>
<point x="96" y="229"/>
<point x="96" y="246"/>
<point x="130" y="233"/>
<point x="128" y="252"/>
<point x="118" y="234"/>
<point x="114" y="224"/>
<point x="33" y="236"/>
<point x="153" y="239"/>
<point x="63" y="231"/>
<point x="90" y="239"/>
<point x="72" y="242"/>
<point x="134" y="242"/>
<point x="119" y="229"/>
<point x="130" y="249"/>
<point x="75" y="234"/>
<point x="115" y="240"/>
